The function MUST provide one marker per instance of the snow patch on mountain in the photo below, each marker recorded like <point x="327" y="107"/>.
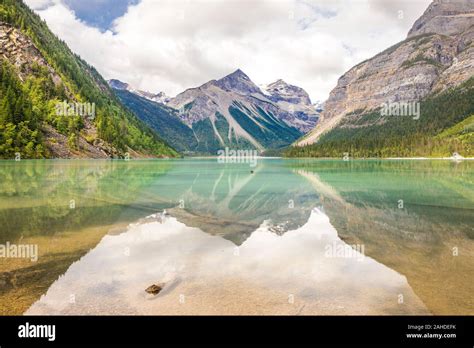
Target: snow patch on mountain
<point x="159" y="97"/>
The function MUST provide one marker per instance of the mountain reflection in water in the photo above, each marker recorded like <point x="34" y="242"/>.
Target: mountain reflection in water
<point x="268" y="273"/>
<point x="238" y="242"/>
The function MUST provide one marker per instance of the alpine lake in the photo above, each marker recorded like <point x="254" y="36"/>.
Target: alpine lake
<point x="276" y="237"/>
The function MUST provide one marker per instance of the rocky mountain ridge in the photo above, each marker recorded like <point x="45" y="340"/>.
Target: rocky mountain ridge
<point x="232" y="111"/>
<point x="249" y="117"/>
<point x="437" y="55"/>
<point x="236" y="90"/>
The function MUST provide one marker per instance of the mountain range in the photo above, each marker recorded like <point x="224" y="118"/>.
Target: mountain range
<point x="433" y="66"/>
<point x="232" y="111"/>
<point x="431" y="71"/>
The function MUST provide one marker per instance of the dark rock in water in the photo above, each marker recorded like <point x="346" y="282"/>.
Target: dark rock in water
<point x="155" y="288"/>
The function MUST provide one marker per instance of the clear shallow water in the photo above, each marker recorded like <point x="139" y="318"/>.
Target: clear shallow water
<point x="294" y="237"/>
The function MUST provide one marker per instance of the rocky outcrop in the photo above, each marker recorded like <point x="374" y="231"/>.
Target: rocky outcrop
<point x="20" y="51"/>
<point x="438" y="54"/>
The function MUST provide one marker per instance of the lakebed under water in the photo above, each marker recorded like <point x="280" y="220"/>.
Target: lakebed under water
<point x="284" y="237"/>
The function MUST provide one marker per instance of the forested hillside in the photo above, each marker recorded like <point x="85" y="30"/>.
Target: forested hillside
<point x="445" y="126"/>
<point x="163" y="120"/>
<point x="38" y="72"/>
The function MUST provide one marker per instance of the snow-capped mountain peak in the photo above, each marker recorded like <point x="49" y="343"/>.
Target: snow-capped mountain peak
<point x="281" y="90"/>
<point x="159" y="97"/>
<point x="288" y="104"/>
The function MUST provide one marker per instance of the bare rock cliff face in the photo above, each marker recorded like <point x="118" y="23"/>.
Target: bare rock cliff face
<point x="444" y="17"/>
<point x="437" y="54"/>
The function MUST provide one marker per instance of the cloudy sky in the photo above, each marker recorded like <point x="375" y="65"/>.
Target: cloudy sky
<point x="171" y="45"/>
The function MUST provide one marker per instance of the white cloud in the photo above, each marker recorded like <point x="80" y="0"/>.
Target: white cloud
<point x="39" y="4"/>
<point x="171" y="45"/>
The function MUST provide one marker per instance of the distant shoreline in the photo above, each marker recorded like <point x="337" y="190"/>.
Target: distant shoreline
<point x="259" y="157"/>
<point x="386" y="158"/>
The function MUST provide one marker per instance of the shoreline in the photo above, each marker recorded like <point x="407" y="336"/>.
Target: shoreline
<point x="258" y="157"/>
<point x="386" y="158"/>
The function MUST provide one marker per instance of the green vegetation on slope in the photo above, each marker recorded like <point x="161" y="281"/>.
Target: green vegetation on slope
<point x="18" y="119"/>
<point x="443" y="128"/>
<point x="25" y="106"/>
<point x="161" y="119"/>
<point x="276" y="134"/>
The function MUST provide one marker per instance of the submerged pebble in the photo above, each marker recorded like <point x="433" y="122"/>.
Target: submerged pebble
<point x="155" y="289"/>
